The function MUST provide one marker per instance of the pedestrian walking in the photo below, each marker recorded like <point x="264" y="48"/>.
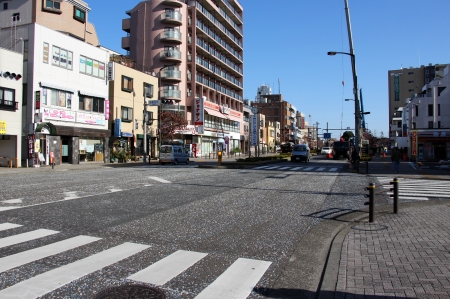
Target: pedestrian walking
<point x="396" y="157"/>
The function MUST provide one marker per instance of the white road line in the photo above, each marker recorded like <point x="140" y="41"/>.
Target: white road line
<point x="283" y="168"/>
<point x="296" y="168"/>
<point x="115" y="190"/>
<point x="413" y="197"/>
<point x="7" y="225"/>
<point x="320" y="169"/>
<point x="164" y="270"/>
<point x="51" y="280"/>
<point x="416" y="194"/>
<point x="237" y="282"/>
<point x="333" y="169"/>
<point x="22" y="258"/>
<point x="35" y="234"/>
<point x="261" y="167"/>
<point x="8" y="208"/>
<point x="273" y="167"/>
<point x="17" y="200"/>
<point x="159" y="180"/>
<point x="308" y="168"/>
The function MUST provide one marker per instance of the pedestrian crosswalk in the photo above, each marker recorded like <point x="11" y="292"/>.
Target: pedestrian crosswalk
<point x="297" y="168"/>
<point x="236" y="282"/>
<point x="417" y="189"/>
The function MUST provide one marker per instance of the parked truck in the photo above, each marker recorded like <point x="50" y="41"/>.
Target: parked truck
<point x="341" y="150"/>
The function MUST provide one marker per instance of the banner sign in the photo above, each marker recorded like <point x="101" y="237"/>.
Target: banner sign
<point x="117" y="128"/>
<point x="414" y="143"/>
<point x="199" y="111"/>
<point x="57" y="114"/>
<point x="93" y="119"/>
<point x="254" y="130"/>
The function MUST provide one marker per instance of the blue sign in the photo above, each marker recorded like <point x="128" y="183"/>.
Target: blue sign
<point x="326" y="135"/>
<point x="117" y="128"/>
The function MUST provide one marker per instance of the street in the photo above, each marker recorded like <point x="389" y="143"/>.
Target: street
<point x="193" y="232"/>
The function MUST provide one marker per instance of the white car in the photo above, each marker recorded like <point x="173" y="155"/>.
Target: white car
<point x="325" y="150"/>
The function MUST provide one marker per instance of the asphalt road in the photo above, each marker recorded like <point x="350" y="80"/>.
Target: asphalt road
<point x="245" y="233"/>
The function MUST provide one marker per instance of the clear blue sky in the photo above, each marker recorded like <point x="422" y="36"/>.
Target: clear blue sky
<point x="289" y="40"/>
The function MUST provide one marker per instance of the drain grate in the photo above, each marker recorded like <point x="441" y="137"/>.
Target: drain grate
<point x="131" y="292"/>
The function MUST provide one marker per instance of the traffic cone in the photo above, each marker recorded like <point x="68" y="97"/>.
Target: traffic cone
<point x="330" y="156"/>
<point x="384" y="154"/>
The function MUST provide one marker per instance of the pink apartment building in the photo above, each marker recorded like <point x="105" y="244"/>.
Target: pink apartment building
<point x="195" y="48"/>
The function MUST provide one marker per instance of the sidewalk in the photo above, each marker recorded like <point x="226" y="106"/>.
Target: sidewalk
<point x="404" y="255"/>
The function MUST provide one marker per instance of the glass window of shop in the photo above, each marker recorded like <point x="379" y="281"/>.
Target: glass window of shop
<point x="91" y="149"/>
<point x="221" y="123"/>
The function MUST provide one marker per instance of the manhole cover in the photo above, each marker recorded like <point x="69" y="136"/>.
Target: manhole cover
<point x="131" y="292"/>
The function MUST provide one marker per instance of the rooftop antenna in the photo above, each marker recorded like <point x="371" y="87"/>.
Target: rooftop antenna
<point x="279" y="91"/>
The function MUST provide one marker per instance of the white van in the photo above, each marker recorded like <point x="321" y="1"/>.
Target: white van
<point x="173" y="154"/>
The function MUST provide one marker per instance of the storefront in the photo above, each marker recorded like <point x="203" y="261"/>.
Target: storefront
<point x="432" y="145"/>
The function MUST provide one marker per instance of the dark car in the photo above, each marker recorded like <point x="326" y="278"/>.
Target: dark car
<point x="341" y="150"/>
<point x="300" y="153"/>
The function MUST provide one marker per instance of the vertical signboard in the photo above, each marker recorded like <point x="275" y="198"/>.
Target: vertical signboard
<point x="396" y="87"/>
<point x="199" y="111"/>
<point x="110" y="71"/>
<point x="38" y="99"/>
<point x="414" y="143"/>
<point x="253" y="130"/>
<point x="117" y="128"/>
<point x="2" y="127"/>
<point x="106" y="109"/>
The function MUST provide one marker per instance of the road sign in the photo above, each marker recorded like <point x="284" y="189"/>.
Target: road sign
<point x="154" y="102"/>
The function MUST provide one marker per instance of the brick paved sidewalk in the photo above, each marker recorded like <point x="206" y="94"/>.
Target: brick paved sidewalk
<point x="404" y="255"/>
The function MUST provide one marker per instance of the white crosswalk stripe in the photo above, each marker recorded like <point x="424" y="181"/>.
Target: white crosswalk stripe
<point x="417" y="189"/>
<point x="236" y="282"/>
<point x="298" y="168"/>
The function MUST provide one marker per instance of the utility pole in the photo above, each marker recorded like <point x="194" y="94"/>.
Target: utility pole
<point x="145" y="130"/>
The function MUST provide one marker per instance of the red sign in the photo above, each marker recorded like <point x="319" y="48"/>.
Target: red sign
<point x="414" y="143"/>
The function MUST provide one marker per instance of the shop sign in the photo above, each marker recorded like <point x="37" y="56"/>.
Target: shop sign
<point x="414" y="143"/>
<point x="117" y="128"/>
<point x="38" y="99"/>
<point x="58" y="114"/>
<point x="199" y="111"/>
<point x="2" y="127"/>
<point x="93" y="119"/>
<point x="225" y="110"/>
<point x="254" y="130"/>
<point x="110" y="71"/>
<point x="106" y="109"/>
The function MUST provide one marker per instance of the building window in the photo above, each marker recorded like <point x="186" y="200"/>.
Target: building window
<point x="410" y="73"/>
<point x="24" y="94"/>
<point x="62" y="57"/>
<point x="7" y="99"/>
<point x="127" y="114"/>
<point x="430" y="125"/>
<point x="87" y="103"/>
<point x="5" y="5"/>
<point x="411" y="81"/>
<point x="92" y="67"/>
<point x="52" y="4"/>
<point x="79" y="14"/>
<point x="417" y="110"/>
<point x="127" y="84"/>
<point x="430" y="110"/>
<point x="58" y="98"/>
<point x="439" y="110"/>
<point x="148" y="90"/>
<point x="439" y="124"/>
<point x="149" y="117"/>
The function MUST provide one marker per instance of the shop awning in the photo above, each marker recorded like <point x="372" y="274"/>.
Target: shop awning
<point x="127" y="134"/>
<point x="46" y="128"/>
<point x="215" y="113"/>
<point x="92" y="94"/>
<point x="53" y="86"/>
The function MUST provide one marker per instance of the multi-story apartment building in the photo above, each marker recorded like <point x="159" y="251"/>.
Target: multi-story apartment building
<point x="423" y="128"/>
<point x="65" y="103"/>
<point x="403" y="84"/>
<point x="196" y="49"/>
<point x="10" y="107"/>
<point x="278" y="110"/>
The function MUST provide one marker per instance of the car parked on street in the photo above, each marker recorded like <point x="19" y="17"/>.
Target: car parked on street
<point x="325" y="150"/>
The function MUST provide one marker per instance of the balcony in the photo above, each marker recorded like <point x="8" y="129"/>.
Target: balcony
<point x="170" y="94"/>
<point x="126" y="25"/>
<point x="9" y="105"/>
<point x="172" y="17"/>
<point x="173" y="36"/>
<point x="171" y="75"/>
<point x="126" y="43"/>
<point x="170" y="55"/>
<point x="176" y="3"/>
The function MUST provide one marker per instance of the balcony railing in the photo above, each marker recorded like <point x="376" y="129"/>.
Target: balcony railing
<point x="172" y="17"/>
<point x="233" y="10"/>
<point x="171" y="74"/>
<point x="9" y="105"/>
<point x="170" y="94"/>
<point x="170" y="55"/>
<point x="219" y="55"/>
<point x="218" y="71"/>
<point x="174" y="35"/>
<point x="217" y="87"/>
